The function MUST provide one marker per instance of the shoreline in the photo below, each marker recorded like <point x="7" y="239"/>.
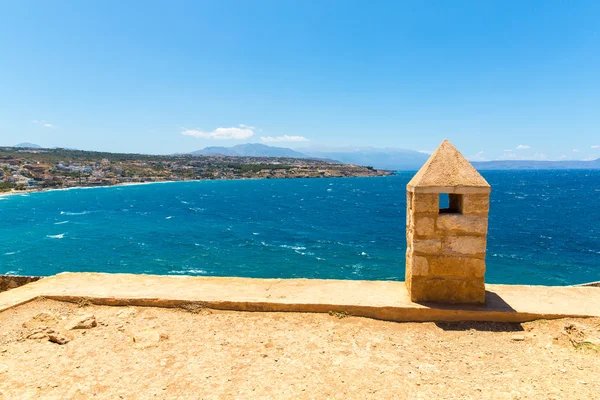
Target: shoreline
<point x="27" y="192"/>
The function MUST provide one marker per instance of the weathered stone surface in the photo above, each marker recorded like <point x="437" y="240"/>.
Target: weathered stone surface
<point x="410" y="234"/>
<point x="464" y="245"/>
<point x="85" y="321"/>
<point x="418" y="266"/>
<point x="40" y="320"/>
<point x="148" y="338"/>
<point x="58" y="338"/>
<point x="457" y="223"/>
<point x="385" y="300"/>
<point x="457" y="266"/>
<point x="38" y="334"/>
<point x="476" y="204"/>
<point x="445" y="258"/>
<point x="428" y="246"/>
<point x="425" y="203"/>
<point x="424" y="226"/>
<point x="447" y="290"/>
<point x="447" y="168"/>
<point x="127" y="313"/>
<point x="408" y="264"/>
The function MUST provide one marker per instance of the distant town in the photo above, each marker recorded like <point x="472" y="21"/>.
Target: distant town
<point x="38" y="169"/>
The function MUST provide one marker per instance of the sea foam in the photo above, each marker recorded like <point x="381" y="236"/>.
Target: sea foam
<point x="74" y="213"/>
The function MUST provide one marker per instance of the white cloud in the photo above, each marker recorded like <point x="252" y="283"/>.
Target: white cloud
<point x="43" y="123"/>
<point x="244" y="132"/>
<point x="284" y="138"/>
<point x="426" y="151"/>
<point x="575" y="151"/>
<point x="523" y="147"/>
<point x="596" y="147"/>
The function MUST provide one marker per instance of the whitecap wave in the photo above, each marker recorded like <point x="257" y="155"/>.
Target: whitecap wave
<point x="186" y="272"/>
<point x="356" y="269"/>
<point x="169" y="217"/>
<point x="74" y="213"/>
<point x="61" y="222"/>
<point x="59" y="236"/>
<point x="285" y="246"/>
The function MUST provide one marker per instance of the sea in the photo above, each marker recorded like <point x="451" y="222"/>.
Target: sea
<point x="544" y="228"/>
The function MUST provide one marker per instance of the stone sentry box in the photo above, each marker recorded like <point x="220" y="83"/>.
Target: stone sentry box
<point x="445" y="255"/>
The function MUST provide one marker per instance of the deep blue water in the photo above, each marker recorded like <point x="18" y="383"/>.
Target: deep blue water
<point x="544" y="228"/>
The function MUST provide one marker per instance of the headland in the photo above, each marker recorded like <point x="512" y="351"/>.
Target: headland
<point x="26" y="170"/>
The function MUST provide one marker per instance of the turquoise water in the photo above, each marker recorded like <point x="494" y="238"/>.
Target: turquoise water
<point x="544" y="228"/>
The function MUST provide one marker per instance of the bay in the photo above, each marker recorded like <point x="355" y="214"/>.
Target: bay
<point x="544" y="228"/>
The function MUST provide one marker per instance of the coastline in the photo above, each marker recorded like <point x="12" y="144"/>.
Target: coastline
<point x="27" y="192"/>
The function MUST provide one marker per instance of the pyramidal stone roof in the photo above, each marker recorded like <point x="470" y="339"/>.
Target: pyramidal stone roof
<point x="448" y="171"/>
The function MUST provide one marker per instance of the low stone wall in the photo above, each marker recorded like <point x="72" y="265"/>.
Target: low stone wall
<point x="8" y="282"/>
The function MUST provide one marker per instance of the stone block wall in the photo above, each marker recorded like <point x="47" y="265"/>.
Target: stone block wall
<point x="445" y="255"/>
<point x="8" y="282"/>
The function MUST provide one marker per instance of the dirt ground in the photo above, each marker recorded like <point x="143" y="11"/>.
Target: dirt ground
<point x="195" y="353"/>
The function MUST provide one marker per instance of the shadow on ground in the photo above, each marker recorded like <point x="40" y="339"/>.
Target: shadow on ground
<point x="481" y="326"/>
<point x="493" y="302"/>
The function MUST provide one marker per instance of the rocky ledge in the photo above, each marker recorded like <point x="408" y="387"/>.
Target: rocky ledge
<point x="8" y="282"/>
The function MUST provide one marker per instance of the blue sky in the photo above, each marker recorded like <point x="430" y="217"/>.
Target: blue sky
<point x="504" y="79"/>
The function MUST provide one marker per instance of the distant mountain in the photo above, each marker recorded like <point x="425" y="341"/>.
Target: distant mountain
<point x="251" y="150"/>
<point x="391" y="159"/>
<point x="526" y="164"/>
<point x="385" y="158"/>
<point x="28" y="145"/>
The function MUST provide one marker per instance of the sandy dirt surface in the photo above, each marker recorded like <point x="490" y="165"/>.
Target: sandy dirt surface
<point x="142" y="353"/>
